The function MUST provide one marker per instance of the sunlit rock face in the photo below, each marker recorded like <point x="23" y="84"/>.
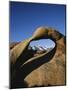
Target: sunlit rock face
<point x="43" y="69"/>
<point x="52" y="72"/>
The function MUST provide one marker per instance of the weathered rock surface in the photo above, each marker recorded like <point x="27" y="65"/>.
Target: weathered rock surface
<point x="46" y="69"/>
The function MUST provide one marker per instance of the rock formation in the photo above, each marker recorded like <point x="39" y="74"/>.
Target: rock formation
<point x="45" y="69"/>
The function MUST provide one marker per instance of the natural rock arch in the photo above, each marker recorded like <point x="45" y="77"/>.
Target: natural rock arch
<point x="23" y="70"/>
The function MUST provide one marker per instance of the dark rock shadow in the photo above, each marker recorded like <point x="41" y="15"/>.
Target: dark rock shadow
<point x="25" y="55"/>
<point x="17" y="84"/>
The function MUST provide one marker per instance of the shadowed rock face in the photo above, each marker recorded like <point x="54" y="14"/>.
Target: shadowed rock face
<point x="45" y="69"/>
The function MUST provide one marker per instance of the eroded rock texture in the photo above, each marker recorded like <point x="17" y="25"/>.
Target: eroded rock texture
<point x="45" y="69"/>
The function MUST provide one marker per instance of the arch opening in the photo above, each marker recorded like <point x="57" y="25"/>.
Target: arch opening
<point x="42" y="44"/>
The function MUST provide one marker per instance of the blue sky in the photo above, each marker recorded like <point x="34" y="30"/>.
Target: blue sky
<point x="26" y="17"/>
